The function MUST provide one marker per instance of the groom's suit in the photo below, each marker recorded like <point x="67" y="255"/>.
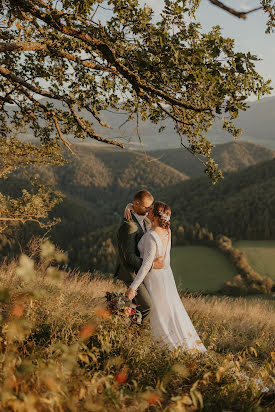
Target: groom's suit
<point x="129" y="261"/>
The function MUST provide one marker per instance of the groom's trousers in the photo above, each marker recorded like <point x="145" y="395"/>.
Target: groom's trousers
<point x="128" y="235"/>
<point x="143" y="301"/>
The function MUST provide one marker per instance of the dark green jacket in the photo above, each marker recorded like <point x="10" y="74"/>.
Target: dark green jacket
<point x="128" y="235"/>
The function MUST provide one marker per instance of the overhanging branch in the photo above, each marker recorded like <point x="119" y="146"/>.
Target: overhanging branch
<point x="239" y="14"/>
<point x="140" y="87"/>
<point x="90" y="133"/>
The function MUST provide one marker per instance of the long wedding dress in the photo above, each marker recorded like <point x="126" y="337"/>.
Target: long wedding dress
<point x="170" y="323"/>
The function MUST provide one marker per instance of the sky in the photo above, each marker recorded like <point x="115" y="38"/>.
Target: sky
<point x="249" y="34"/>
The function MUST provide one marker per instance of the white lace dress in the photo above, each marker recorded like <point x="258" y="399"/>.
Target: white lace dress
<point x="169" y="320"/>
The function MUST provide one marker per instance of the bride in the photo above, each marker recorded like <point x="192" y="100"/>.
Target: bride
<point x="170" y="323"/>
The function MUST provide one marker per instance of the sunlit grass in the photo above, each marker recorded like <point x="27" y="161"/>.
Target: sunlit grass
<point x="62" y="351"/>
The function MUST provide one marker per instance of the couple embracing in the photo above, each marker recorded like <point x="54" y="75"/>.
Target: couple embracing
<point x="144" y="243"/>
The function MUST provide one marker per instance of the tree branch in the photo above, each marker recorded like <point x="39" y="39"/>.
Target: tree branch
<point x="239" y="14"/>
<point x="14" y="78"/>
<point x="36" y="46"/>
<point x="97" y="117"/>
<point x="93" y="135"/>
<point x="52" y="116"/>
<point x="173" y="117"/>
<point x="21" y="46"/>
<point x="138" y="85"/>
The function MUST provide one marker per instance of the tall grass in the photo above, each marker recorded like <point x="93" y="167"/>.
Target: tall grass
<point x="62" y="350"/>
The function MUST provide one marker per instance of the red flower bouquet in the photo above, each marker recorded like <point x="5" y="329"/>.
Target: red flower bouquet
<point x="118" y="304"/>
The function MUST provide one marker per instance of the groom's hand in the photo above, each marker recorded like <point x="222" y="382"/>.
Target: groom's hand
<point x="130" y="293"/>
<point x="158" y="263"/>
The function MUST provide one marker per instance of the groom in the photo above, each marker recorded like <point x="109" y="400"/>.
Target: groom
<point x="129" y="261"/>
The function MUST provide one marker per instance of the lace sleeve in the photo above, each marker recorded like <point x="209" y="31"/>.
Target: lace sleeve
<point x="148" y="259"/>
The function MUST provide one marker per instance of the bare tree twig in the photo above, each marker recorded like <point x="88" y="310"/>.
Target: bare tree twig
<point x="90" y="133"/>
<point x="172" y="116"/>
<point x="239" y="14"/>
<point x="11" y="76"/>
<point x="97" y="117"/>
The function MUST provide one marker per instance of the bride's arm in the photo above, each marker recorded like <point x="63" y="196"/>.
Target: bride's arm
<point x="148" y="260"/>
<point x="127" y="211"/>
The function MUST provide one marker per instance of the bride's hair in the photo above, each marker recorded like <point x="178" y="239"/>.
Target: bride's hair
<point x="163" y="212"/>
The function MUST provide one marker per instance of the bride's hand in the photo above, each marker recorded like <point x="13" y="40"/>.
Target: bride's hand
<point x="127" y="212"/>
<point x="158" y="263"/>
<point x="130" y="293"/>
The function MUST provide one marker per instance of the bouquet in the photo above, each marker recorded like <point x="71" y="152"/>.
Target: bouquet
<point x="118" y="304"/>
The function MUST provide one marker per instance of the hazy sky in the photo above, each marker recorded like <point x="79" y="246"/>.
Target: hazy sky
<point x="249" y="34"/>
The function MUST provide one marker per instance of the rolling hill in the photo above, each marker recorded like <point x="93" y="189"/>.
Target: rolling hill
<point x="229" y="156"/>
<point x="98" y="183"/>
<point x="109" y="176"/>
<point x="240" y="206"/>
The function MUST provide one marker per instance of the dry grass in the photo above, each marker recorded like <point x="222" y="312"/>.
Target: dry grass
<point x="60" y="351"/>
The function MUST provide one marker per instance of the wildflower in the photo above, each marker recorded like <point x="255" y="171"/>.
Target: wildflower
<point x="153" y="398"/>
<point x="86" y="331"/>
<point x="18" y="311"/>
<point x="121" y="376"/>
<point x="102" y="312"/>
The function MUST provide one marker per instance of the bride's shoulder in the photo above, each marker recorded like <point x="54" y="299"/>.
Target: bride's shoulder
<point x="151" y="234"/>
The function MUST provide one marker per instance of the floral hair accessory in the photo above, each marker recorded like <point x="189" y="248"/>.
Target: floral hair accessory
<point x="165" y="216"/>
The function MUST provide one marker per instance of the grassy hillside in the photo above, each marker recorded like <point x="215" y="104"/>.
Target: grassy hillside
<point x="198" y="268"/>
<point x="62" y="350"/>
<point x="260" y="255"/>
<point x="229" y="156"/>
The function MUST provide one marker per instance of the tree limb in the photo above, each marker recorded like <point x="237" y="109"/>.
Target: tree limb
<point x="93" y="135"/>
<point x="21" y="46"/>
<point x="14" y="78"/>
<point x="36" y="46"/>
<point x="97" y="117"/>
<point x="239" y="14"/>
<point x="173" y="117"/>
<point x="138" y="85"/>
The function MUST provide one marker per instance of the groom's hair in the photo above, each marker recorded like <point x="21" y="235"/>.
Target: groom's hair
<point x="143" y="194"/>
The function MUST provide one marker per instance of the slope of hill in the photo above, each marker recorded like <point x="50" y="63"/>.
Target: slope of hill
<point x="66" y="351"/>
<point x="98" y="183"/>
<point x="229" y="156"/>
<point x="241" y="206"/>
<point x="93" y="167"/>
<point x="108" y="178"/>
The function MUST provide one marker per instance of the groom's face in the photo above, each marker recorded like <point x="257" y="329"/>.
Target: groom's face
<point x="142" y="207"/>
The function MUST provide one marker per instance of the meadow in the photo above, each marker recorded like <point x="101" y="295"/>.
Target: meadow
<point x="260" y="255"/>
<point x="198" y="268"/>
<point x="62" y="349"/>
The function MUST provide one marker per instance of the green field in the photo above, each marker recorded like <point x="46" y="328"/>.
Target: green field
<point x="200" y="268"/>
<point x="260" y="255"/>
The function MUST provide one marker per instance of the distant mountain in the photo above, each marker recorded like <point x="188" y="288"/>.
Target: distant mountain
<point x="95" y="168"/>
<point x="99" y="182"/>
<point x="104" y="181"/>
<point x="257" y="123"/>
<point x="241" y="206"/>
<point x="229" y="156"/>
